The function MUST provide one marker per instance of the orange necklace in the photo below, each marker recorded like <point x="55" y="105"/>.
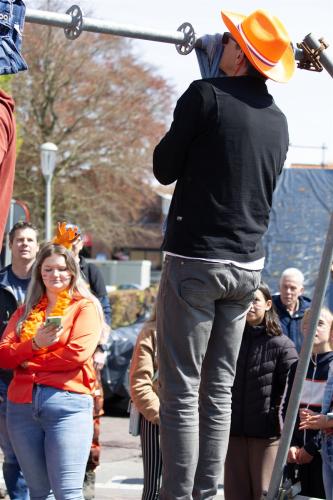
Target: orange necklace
<point x="37" y="314"/>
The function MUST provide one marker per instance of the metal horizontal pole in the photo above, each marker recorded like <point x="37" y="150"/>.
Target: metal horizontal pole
<point x="184" y="38"/>
<point x="299" y="146"/>
<point x="325" y="58"/>
<point x="97" y="26"/>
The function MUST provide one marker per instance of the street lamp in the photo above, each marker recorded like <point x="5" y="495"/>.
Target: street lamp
<point x="48" y="157"/>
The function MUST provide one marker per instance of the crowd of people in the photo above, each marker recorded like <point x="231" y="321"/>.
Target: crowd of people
<point x="265" y="371"/>
<point x="49" y="372"/>
<point x="49" y="431"/>
<point x="212" y="370"/>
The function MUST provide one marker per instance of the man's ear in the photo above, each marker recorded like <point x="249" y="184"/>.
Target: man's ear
<point x="240" y="60"/>
<point x="240" y="54"/>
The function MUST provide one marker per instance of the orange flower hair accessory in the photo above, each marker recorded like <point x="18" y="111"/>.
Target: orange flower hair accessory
<point x="66" y="236"/>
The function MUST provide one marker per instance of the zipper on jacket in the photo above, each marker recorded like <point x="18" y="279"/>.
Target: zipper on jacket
<point x="245" y="378"/>
<point x="315" y="364"/>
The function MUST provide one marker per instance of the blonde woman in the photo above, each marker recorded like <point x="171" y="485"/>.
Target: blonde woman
<point x="50" y="397"/>
<point x="304" y="453"/>
<point x="315" y="421"/>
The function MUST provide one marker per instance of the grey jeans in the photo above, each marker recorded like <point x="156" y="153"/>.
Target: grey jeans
<point x="201" y="312"/>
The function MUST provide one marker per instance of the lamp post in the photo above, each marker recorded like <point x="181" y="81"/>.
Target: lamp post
<point x="48" y="157"/>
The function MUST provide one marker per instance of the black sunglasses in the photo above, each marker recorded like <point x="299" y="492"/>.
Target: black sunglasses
<point x="226" y="37"/>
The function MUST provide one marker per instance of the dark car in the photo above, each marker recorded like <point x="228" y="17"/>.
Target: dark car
<point x="129" y="286"/>
<point x="115" y="374"/>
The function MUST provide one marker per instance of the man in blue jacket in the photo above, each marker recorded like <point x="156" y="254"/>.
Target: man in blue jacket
<point x="14" y="282"/>
<point x="225" y="149"/>
<point x="290" y="304"/>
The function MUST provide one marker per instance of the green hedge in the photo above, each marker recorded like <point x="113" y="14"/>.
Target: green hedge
<point x="127" y="305"/>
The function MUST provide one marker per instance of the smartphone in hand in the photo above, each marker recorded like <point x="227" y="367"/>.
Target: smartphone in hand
<point x="53" y="320"/>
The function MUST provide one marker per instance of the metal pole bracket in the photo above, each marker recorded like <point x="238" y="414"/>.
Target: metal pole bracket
<point x="311" y="57"/>
<point x="75" y="29"/>
<point x="186" y="47"/>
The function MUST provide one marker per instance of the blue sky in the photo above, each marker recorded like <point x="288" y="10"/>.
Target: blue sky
<point x="307" y="100"/>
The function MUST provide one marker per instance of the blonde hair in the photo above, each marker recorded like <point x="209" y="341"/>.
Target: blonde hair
<point x="326" y="312"/>
<point x="77" y="287"/>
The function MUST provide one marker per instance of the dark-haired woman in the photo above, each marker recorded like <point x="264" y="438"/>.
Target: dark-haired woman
<point x="263" y="364"/>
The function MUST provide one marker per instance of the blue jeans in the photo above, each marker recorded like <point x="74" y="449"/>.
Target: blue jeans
<point x="201" y="313"/>
<point x="16" y="486"/>
<point x="12" y="14"/>
<point x="327" y="441"/>
<point x="52" y="438"/>
<point x="327" y="457"/>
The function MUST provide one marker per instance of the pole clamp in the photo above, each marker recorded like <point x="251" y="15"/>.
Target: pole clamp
<point x="310" y="59"/>
<point x="187" y="45"/>
<point x="75" y="29"/>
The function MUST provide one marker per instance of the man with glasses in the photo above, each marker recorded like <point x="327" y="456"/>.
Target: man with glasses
<point x="225" y="149"/>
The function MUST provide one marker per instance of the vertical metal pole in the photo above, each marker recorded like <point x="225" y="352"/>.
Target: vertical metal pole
<point x="48" y="208"/>
<point x="316" y="305"/>
<point x="324" y="147"/>
<point x="302" y="367"/>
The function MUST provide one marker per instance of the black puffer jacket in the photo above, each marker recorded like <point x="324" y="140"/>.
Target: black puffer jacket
<point x="262" y="368"/>
<point x="8" y="304"/>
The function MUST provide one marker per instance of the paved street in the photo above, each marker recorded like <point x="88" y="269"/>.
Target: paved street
<point x="120" y="475"/>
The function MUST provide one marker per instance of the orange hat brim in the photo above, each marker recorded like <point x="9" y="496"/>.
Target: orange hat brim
<point x="281" y="72"/>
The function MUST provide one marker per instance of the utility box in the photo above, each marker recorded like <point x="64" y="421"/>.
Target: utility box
<point x="128" y="272"/>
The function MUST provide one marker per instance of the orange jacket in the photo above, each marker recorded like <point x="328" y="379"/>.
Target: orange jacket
<point x="66" y="365"/>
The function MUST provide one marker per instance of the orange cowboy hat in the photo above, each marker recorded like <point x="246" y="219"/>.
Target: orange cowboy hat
<point x="265" y="42"/>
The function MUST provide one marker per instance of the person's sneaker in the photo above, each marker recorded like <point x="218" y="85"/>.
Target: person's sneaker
<point x="89" y="485"/>
<point x="3" y="493"/>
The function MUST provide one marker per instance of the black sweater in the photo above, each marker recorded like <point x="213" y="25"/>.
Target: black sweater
<point x="8" y="305"/>
<point x="262" y="369"/>
<point x="225" y="148"/>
